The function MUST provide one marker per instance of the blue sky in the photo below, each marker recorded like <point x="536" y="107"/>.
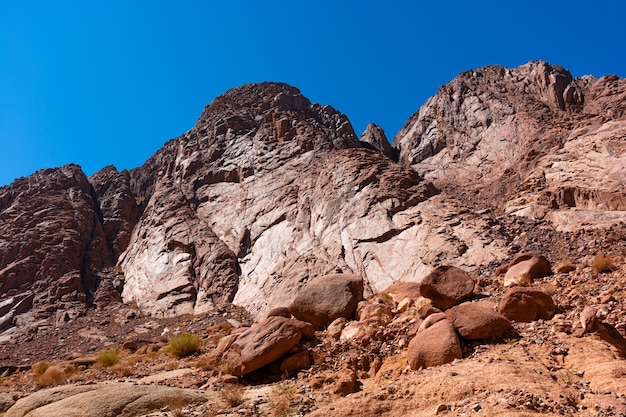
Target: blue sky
<point x="108" y="82"/>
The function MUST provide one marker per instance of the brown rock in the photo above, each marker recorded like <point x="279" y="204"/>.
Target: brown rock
<point x="474" y="322"/>
<point x="524" y="304"/>
<point x="259" y="345"/>
<point x="279" y="311"/>
<point x="434" y="346"/>
<point x="526" y="267"/>
<point x="371" y="309"/>
<point x="334" y="329"/>
<point x="447" y="286"/>
<point x="374" y="137"/>
<point x="295" y="362"/>
<point x="324" y="299"/>
<point x="402" y="290"/>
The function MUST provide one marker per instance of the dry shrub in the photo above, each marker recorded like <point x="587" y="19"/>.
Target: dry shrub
<point x="233" y="395"/>
<point x="51" y="377"/>
<point x="40" y="367"/>
<point x="107" y="358"/>
<point x="603" y="264"/>
<point x="563" y="267"/>
<point x="280" y="400"/>
<point x="184" y="345"/>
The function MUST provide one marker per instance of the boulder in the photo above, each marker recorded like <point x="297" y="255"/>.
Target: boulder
<point x="434" y="346"/>
<point x="526" y="267"/>
<point x="326" y="298"/>
<point x="447" y="286"/>
<point x="402" y="290"/>
<point x="524" y="304"/>
<point x="259" y="345"/>
<point x="474" y="322"/>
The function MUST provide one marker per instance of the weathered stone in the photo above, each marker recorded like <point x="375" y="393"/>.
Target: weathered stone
<point x="525" y="268"/>
<point x="259" y="345"/>
<point x="101" y="400"/>
<point x="371" y="309"/>
<point x="374" y="137"/>
<point x="334" y="329"/>
<point x="434" y="346"/>
<point x="279" y="311"/>
<point x="324" y="299"/>
<point x="524" y="304"/>
<point x="295" y="362"/>
<point x="401" y="290"/>
<point x="474" y="322"/>
<point x="447" y="286"/>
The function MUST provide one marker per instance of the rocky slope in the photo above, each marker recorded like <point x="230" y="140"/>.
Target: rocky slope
<point x="268" y="192"/>
<point x="531" y="139"/>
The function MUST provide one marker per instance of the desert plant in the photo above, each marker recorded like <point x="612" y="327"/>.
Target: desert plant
<point x="184" y="345"/>
<point x="603" y="264"/>
<point x="233" y="395"/>
<point x="40" y="367"/>
<point x="107" y="358"/>
<point x="280" y="400"/>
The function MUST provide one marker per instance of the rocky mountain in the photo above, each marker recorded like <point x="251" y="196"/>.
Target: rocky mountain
<point x="268" y="190"/>
<point x="531" y="139"/>
<point x="271" y="202"/>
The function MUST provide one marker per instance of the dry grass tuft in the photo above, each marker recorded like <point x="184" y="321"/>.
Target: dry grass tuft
<point x="281" y="397"/>
<point x="107" y="358"/>
<point x="51" y="377"/>
<point x="603" y="264"/>
<point x="40" y="367"/>
<point x="184" y="345"/>
<point x="233" y="395"/>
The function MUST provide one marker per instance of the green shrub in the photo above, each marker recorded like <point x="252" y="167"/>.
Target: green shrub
<point x="184" y="345"/>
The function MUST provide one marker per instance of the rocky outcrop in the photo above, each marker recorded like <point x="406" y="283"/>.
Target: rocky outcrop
<point x="52" y="247"/>
<point x="102" y="400"/>
<point x="282" y="192"/>
<point x="532" y="138"/>
<point x="374" y="137"/>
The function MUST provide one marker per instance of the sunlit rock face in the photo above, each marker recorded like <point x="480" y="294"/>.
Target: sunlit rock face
<point x="531" y="139"/>
<point x="268" y="191"/>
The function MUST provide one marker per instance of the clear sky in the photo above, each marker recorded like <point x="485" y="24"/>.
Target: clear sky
<point x="108" y="82"/>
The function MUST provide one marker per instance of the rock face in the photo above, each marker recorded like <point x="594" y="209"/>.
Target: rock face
<point x="328" y="298"/>
<point x="269" y="191"/>
<point x="374" y="137"/>
<point x="526" y="137"/>
<point x="52" y="246"/>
